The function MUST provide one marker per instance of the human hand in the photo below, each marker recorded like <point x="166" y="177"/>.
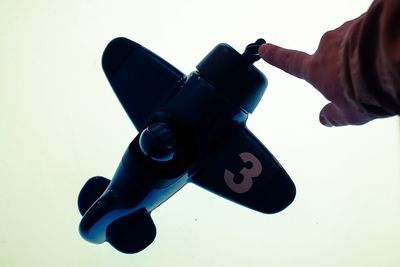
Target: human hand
<point x="322" y="70"/>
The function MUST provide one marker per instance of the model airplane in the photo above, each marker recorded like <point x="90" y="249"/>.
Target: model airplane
<point x="191" y="129"/>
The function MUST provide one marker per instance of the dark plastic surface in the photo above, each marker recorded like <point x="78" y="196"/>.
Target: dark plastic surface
<point x="268" y="190"/>
<point x="232" y="75"/>
<point x="158" y="141"/>
<point x="138" y="183"/>
<point x="190" y="129"/>
<point x="132" y="233"/>
<point x="91" y="191"/>
<point x="141" y="80"/>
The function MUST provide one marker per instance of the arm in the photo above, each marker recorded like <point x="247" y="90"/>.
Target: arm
<point x="356" y="66"/>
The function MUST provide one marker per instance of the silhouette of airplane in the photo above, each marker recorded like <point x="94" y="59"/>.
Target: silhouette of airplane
<point x="191" y="129"/>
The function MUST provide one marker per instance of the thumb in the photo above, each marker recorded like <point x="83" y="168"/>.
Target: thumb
<point x="332" y="115"/>
<point x="335" y="115"/>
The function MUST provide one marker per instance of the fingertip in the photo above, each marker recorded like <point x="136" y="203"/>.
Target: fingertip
<point x="332" y="115"/>
<point x="327" y="114"/>
<point x="262" y="49"/>
<point x="324" y="121"/>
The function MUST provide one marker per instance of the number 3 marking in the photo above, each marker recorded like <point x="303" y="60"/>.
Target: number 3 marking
<point x="248" y="174"/>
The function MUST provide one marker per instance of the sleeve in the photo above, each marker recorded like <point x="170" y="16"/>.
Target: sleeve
<point x="370" y="60"/>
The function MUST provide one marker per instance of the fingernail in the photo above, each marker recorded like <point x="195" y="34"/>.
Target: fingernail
<point x="324" y="121"/>
<point x="263" y="48"/>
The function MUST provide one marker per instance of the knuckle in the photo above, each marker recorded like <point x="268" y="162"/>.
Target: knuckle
<point x="286" y="61"/>
<point x="327" y="36"/>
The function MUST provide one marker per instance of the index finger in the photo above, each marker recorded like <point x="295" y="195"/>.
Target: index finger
<point x="291" y="61"/>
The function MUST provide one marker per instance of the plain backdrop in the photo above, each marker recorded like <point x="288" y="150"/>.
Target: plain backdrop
<point x="61" y="124"/>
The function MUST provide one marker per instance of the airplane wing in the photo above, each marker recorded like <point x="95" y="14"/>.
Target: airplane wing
<point x="244" y="171"/>
<point x="141" y="80"/>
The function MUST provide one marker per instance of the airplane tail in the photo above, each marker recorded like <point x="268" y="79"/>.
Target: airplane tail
<point x="90" y="192"/>
<point x="128" y="234"/>
<point x="132" y="233"/>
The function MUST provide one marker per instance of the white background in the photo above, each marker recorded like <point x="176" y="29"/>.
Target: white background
<point x="61" y="124"/>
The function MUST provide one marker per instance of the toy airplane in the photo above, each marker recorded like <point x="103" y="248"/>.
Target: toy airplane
<point x="191" y="129"/>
